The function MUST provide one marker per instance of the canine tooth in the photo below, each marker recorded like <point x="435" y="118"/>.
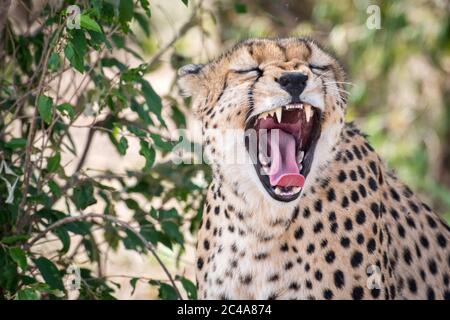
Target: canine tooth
<point x="300" y="156"/>
<point x="296" y="189"/>
<point x="301" y="106"/>
<point x="308" y="112"/>
<point x="264" y="161"/>
<point x="279" y="113"/>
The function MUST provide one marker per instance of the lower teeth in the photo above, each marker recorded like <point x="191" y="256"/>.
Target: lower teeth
<point x="292" y="190"/>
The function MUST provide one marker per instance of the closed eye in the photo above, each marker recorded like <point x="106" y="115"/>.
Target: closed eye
<point x="314" y="68"/>
<point x="258" y="70"/>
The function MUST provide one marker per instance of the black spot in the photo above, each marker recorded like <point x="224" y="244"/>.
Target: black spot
<point x="200" y="263"/>
<point x="356" y="259"/>
<point x="342" y="176"/>
<point x="371" y="245"/>
<point x="394" y="214"/>
<point x="410" y="222"/>
<point x="306" y="212"/>
<point x="217" y="210"/>
<point x="430" y="294"/>
<point x="345" y="202"/>
<point x="331" y="196"/>
<point x="373" y="184"/>
<point x="424" y="241"/>
<point x="375" y="209"/>
<point x="208" y="224"/>
<point x="339" y="279"/>
<point x="328" y="294"/>
<point x="334" y="227"/>
<point x="441" y="240"/>
<point x="206" y="244"/>
<point x="431" y="222"/>
<point x="362" y="191"/>
<point x="310" y="249"/>
<point x="318" y="275"/>
<point x="318" y="205"/>
<point x="308" y="284"/>
<point x="274" y="278"/>
<point x="330" y="256"/>
<point x="412" y="285"/>
<point x="246" y="279"/>
<point x="354" y="196"/>
<point x="413" y="206"/>
<point x="288" y="265"/>
<point x="407" y="256"/>
<point x="299" y="233"/>
<point x="394" y="195"/>
<point x="318" y="227"/>
<point x="332" y="216"/>
<point x="261" y="256"/>
<point x="294" y="286"/>
<point x="348" y="224"/>
<point x="284" y="247"/>
<point x="373" y="167"/>
<point x="345" y="242"/>
<point x="432" y="266"/>
<point x="360" y="238"/>
<point x="401" y="230"/>
<point x="357" y="293"/>
<point x="360" y="217"/>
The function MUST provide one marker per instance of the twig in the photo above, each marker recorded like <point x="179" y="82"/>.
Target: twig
<point x="119" y="222"/>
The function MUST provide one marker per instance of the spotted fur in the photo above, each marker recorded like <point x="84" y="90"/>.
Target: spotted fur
<point x="356" y="232"/>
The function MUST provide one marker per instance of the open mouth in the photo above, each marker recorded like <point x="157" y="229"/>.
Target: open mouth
<point x="286" y="138"/>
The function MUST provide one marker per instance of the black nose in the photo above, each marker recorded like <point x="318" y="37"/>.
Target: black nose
<point x="294" y="83"/>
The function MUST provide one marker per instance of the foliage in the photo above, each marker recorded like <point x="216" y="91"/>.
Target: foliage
<point x="54" y="80"/>
<point x="42" y="198"/>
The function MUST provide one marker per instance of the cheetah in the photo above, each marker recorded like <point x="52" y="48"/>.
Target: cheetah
<point x="312" y="212"/>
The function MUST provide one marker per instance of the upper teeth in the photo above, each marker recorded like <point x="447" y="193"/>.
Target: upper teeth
<point x="308" y="112"/>
<point x="278" y="112"/>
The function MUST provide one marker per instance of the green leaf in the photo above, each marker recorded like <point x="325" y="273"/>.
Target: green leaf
<point x="27" y="294"/>
<point x="83" y="195"/>
<point x="189" y="286"/>
<point x="19" y="257"/>
<point x="45" y="108"/>
<point x="186" y="2"/>
<point x="50" y="273"/>
<point x="54" y="162"/>
<point x="240" y="8"/>
<point x="75" y="50"/>
<point x="125" y="12"/>
<point x="63" y="235"/>
<point x="148" y="153"/>
<point x="133" y="283"/>
<point x="16" y="143"/>
<point x="146" y="6"/>
<point x="152" y="99"/>
<point x="15" y="239"/>
<point x="67" y="110"/>
<point x="53" y="62"/>
<point x="54" y="188"/>
<point x="87" y="22"/>
<point x="122" y="146"/>
<point x="172" y="231"/>
<point x="160" y="143"/>
<point x="166" y="291"/>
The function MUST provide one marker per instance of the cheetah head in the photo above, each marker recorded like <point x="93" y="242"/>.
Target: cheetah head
<point x="286" y="96"/>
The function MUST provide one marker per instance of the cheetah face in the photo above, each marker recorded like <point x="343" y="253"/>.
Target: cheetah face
<point x="286" y="95"/>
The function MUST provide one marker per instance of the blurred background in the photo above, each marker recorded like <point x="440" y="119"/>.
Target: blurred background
<point x="396" y="55"/>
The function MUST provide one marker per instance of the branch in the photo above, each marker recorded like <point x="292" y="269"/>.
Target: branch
<point x="119" y="222"/>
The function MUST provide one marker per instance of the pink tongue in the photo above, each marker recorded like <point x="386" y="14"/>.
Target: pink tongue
<point x="284" y="171"/>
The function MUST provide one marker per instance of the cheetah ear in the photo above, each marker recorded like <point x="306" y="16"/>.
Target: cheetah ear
<point x="190" y="79"/>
